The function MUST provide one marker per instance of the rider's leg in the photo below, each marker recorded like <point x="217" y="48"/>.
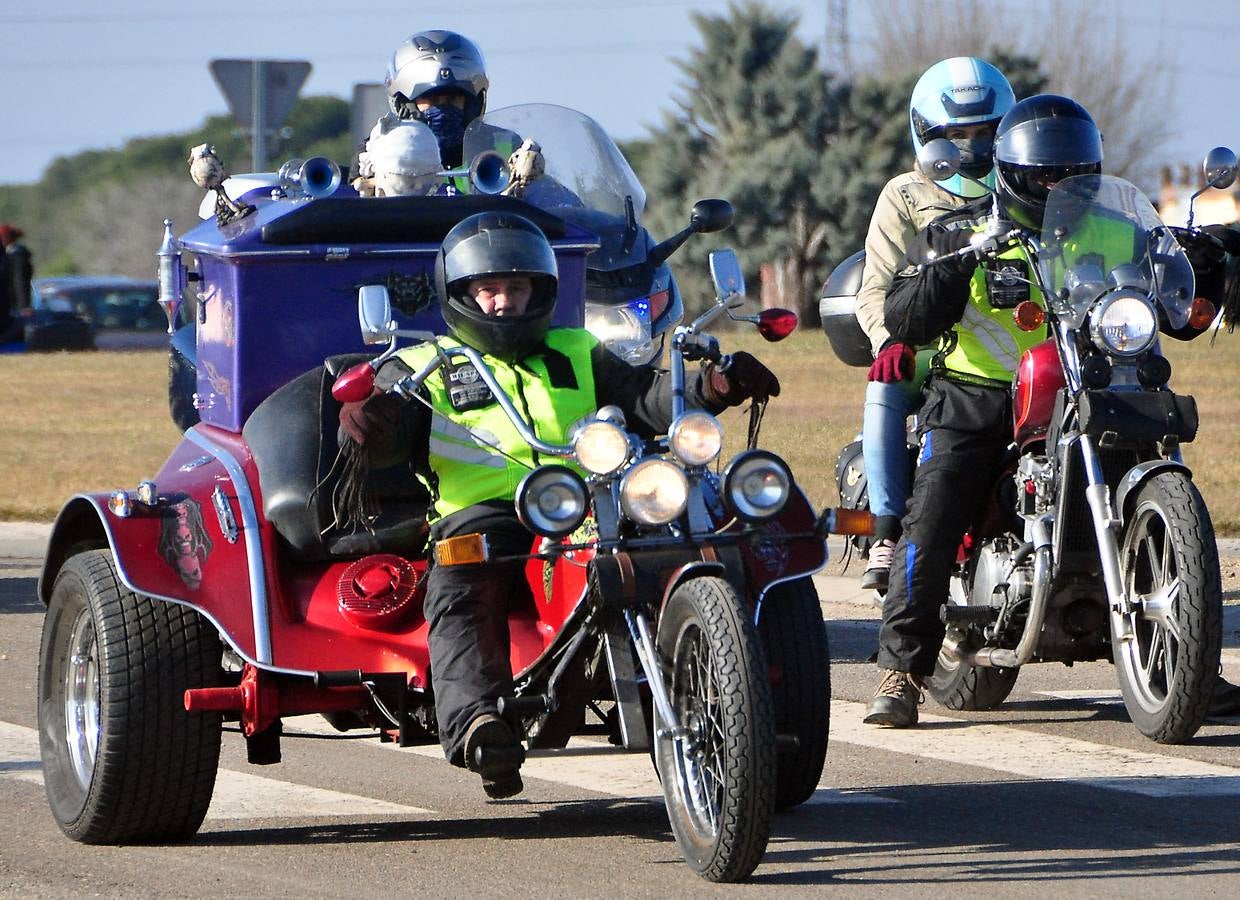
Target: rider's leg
<point x="885" y="445"/>
<point x="467" y="610"/>
<point x="955" y="471"/>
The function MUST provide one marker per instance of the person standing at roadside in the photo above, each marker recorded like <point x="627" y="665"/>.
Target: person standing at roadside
<point x="18" y="267"/>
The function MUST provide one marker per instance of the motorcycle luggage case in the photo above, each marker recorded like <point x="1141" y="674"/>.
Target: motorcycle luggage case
<point x="838" y="308"/>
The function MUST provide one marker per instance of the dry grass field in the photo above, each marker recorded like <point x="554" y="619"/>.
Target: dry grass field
<point x="95" y="421"/>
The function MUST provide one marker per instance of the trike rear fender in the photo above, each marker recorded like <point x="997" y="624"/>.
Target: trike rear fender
<point x="198" y="544"/>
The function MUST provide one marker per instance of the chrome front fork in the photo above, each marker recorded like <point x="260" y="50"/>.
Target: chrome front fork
<point x="643" y="641"/>
<point x="1106" y="530"/>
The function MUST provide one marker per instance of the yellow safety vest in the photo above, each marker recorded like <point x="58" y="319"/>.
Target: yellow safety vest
<point x="477" y="454"/>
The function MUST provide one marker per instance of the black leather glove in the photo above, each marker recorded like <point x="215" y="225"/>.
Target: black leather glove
<point x="1205" y="247"/>
<point x="945" y="242"/>
<point x="373" y="420"/>
<point x="744" y="377"/>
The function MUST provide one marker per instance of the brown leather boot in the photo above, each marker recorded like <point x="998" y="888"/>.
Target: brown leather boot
<point x="895" y="702"/>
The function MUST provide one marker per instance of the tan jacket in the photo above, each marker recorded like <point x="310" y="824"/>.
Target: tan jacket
<point x="908" y="203"/>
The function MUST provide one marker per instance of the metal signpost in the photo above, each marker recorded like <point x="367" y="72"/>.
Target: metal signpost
<point x="260" y="95"/>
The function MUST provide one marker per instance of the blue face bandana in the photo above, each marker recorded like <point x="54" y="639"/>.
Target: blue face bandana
<point x="447" y="123"/>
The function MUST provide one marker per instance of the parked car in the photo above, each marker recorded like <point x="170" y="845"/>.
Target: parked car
<point x="123" y="312"/>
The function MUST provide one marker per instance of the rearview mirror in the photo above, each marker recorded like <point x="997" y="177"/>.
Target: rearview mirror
<point x="1219" y="167"/>
<point x="939" y="159"/>
<point x="725" y="272"/>
<point x="374" y="314"/>
<point x="711" y="215"/>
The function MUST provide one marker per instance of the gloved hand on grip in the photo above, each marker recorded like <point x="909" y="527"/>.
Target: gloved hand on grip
<point x="946" y="242"/>
<point x="1204" y="247"/>
<point x="894" y="362"/>
<point x="744" y="377"/>
<point x="373" y="420"/>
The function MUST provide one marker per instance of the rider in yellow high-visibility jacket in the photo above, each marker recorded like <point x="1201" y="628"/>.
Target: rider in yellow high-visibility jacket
<point x="496" y="278"/>
<point x="966" y="418"/>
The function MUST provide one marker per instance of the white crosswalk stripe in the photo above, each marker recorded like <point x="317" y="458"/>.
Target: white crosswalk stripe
<point x="238" y="795"/>
<point x="1035" y="755"/>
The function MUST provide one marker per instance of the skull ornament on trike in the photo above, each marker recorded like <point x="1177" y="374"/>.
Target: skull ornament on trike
<point x="670" y="600"/>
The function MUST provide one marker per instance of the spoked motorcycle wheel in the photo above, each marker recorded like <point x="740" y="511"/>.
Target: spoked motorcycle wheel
<point x="1171" y="579"/>
<point x="719" y="774"/>
<point x="795" y="641"/>
<point x="958" y="685"/>
<point x="123" y="762"/>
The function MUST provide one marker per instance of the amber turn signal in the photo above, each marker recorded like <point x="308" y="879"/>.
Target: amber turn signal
<point x="849" y="521"/>
<point x="1201" y="313"/>
<point x="464" y="549"/>
<point x="1028" y="315"/>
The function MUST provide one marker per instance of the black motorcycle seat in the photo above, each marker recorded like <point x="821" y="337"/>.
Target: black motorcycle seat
<point x="292" y="435"/>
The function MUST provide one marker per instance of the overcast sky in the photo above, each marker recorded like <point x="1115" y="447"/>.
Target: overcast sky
<point x="82" y="74"/>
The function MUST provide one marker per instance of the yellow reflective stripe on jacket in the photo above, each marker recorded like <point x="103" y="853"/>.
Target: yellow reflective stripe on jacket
<point x="478" y="454"/>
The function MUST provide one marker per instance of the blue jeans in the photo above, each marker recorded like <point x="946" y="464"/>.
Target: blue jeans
<point x="883" y="431"/>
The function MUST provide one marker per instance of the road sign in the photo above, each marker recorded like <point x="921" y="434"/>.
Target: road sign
<point x="260" y="94"/>
<point x="369" y="103"/>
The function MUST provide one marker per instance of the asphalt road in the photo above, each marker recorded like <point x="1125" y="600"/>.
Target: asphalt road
<point x="1054" y="793"/>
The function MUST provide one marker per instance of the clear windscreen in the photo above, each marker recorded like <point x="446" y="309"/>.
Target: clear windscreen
<point x="1101" y="233"/>
<point x="587" y="180"/>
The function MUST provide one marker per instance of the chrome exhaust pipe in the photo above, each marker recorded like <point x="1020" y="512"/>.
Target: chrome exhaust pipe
<point x="1002" y="658"/>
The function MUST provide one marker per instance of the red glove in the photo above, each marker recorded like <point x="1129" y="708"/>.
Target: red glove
<point x="744" y="377"/>
<point x="895" y="362"/>
<point x="373" y="420"/>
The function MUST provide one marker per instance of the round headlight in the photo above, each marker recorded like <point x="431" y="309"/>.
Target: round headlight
<point x="654" y="492"/>
<point x="552" y="501"/>
<point x="624" y="329"/>
<point x="601" y="447"/>
<point x="756" y="485"/>
<point x="696" y="438"/>
<point x="1124" y="323"/>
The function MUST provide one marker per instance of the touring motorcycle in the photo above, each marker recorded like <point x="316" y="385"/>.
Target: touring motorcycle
<point x="631" y="298"/>
<point x="1095" y="544"/>
<point x="668" y="599"/>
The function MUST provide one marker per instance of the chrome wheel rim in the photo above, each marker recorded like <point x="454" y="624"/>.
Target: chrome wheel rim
<point x="1152" y="585"/>
<point x="82" y="699"/>
<point x="699" y="754"/>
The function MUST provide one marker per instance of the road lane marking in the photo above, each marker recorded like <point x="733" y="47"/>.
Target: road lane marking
<point x="1037" y="756"/>
<point x="238" y="795"/>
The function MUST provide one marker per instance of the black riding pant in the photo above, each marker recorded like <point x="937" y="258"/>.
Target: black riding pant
<point x="965" y="433"/>
<point x="467" y="608"/>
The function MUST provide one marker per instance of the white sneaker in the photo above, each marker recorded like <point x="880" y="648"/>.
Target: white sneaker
<point x="874" y="578"/>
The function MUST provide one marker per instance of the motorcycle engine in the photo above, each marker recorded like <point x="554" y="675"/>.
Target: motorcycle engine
<point x="990" y="585"/>
<point x="1035" y="485"/>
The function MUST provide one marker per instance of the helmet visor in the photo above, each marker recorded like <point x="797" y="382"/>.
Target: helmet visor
<point x="499" y="251"/>
<point x="1050" y="142"/>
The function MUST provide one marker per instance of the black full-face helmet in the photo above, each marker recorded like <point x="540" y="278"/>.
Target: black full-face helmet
<point x="1041" y="141"/>
<point x="488" y="244"/>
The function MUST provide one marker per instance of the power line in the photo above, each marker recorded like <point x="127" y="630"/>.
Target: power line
<point x="251" y="15"/>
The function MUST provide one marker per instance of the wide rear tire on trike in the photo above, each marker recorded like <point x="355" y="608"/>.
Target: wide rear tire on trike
<point x="795" y="640"/>
<point x="123" y="762"/>
<point x="719" y="781"/>
<point x="1169" y="560"/>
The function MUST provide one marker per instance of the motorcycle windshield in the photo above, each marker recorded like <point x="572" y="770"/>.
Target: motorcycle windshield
<point x="587" y="180"/>
<point x="1101" y="234"/>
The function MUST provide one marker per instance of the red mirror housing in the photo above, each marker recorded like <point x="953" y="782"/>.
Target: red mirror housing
<point x="776" y="324"/>
<point x="354" y="384"/>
